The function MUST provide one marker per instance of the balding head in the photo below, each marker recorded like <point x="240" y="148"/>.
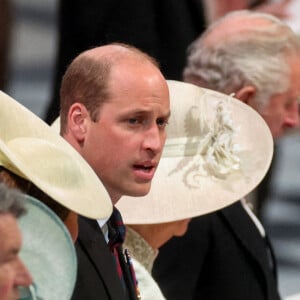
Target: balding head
<point x="87" y="78"/>
<point x="116" y="52"/>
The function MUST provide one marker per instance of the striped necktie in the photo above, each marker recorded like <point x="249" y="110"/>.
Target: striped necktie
<point x="116" y="236"/>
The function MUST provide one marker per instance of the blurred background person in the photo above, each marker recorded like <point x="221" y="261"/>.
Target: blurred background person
<point x="13" y="272"/>
<point x="257" y="57"/>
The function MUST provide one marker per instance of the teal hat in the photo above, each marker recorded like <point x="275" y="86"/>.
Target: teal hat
<point x="48" y="252"/>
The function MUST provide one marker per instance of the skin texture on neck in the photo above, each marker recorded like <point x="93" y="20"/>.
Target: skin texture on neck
<point x="157" y="235"/>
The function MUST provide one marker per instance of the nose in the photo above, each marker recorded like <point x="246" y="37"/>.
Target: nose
<point x="293" y="119"/>
<point x="154" y="139"/>
<point x="23" y="277"/>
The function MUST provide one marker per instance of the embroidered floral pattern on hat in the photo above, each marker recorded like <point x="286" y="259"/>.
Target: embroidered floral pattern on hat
<point x="213" y="151"/>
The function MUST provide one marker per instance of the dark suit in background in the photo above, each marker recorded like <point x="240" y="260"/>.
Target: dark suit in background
<point x="222" y="256"/>
<point x="161" y="28"/>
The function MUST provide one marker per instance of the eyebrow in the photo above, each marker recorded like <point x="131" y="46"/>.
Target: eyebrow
<point x="146" y="111"/>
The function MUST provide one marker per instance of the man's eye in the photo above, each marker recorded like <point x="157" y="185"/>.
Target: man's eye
<point x="291" y="103"/>
<point x="162" y="122"/>
<point x="132" y="121"/>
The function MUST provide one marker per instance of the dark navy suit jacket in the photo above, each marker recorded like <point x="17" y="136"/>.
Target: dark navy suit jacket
<point x="222" y="256"/>
<point x="97" y="276"/>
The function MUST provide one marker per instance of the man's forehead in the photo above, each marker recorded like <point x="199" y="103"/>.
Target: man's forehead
<point x="111" y="53"/>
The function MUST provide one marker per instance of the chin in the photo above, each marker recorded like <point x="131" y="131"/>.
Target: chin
<point x="139" y="191"/>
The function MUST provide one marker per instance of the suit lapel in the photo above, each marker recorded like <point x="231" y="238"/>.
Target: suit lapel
<point x="247" y="233"/>
<point x="92" y="240"/>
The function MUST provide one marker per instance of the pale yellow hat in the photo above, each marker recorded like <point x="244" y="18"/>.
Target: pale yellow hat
<point x="218" y="149"/>
<point x="31" y="149"/>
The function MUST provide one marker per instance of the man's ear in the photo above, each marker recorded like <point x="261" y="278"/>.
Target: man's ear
<point x="78" y="119"/>
<point x="247" y="95"/>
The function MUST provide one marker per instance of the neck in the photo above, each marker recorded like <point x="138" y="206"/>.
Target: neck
<point x="151" y="234"/>
<point x="115" y="197"/>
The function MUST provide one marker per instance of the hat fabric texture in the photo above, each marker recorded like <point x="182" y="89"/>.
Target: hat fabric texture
<point x="31" y="149"/>
<point x="218" y="149"/>
<point x="48" y="252"/>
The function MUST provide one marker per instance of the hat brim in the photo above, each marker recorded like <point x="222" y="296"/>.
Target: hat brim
<point x="178" y="191"/>
<point x="48" y="251"/>
<point x="31" y="149"/>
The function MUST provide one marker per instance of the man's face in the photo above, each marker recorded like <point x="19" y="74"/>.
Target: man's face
<point x="282" y="110"/>
<point x="124" y="146"/>
<point x="13" y="273"/>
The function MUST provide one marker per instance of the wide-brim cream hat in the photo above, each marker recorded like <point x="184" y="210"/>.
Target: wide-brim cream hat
<point x="31" y="149"/>
<point x="48" y="252"/>
<point x="218" y="149"/>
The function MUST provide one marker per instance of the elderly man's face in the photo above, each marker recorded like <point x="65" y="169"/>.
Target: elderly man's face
<point x="13" y="273"/>
<point x="282" y="110"/>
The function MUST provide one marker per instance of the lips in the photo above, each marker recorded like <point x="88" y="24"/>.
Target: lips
<point x="144" y="168"/>
<point x="144" y="171"/>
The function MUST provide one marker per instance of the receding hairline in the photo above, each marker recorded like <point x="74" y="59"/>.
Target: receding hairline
<point x="88" y="77"/>
<point x="114" y="53"/>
